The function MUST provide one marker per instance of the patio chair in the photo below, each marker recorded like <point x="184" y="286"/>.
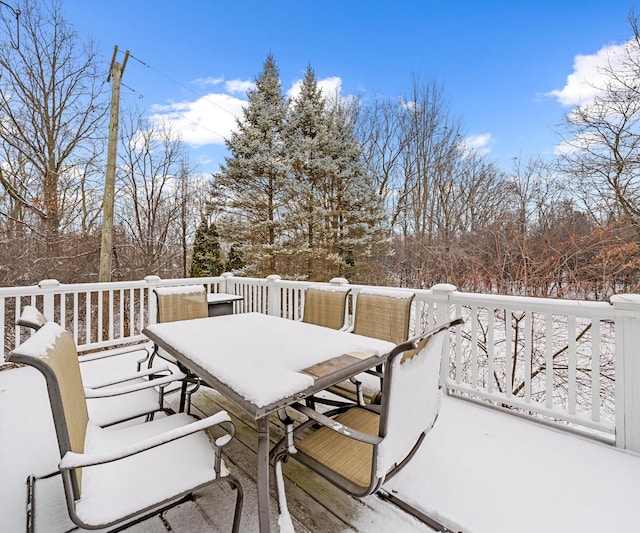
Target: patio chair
<point x="382" y="315"/>
<point x="359" y="448"/>
<point x="180" y="303"/>
<point x="114" y="393"/>
<point x="115" y="476"/>
<point x="326" y="307"/>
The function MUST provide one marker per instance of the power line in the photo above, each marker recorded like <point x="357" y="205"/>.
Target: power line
<point x="198" y="124"/>
<point x="187" y="88"/>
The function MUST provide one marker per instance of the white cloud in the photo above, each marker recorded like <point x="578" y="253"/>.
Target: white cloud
<point x="477" y="143"/>
<point x="577" y="144"/>
<point x="238" y="86"/>
<point x="330" y="87"/>
<point x="208" y="81"/>
<point x="588" y="77"/>
<point x="208" y="120"/>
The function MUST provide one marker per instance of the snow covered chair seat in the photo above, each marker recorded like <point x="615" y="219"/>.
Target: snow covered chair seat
<point x="383" y="315"/>
<point x="180" y="303"/>
<point x="359" y="448"/>
<point x="326" y="307"/>
<point x="115" y="391"/>
<point x="116" y="475"/>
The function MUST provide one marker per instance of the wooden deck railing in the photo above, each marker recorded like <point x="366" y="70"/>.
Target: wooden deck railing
<point x="571" y="363"/>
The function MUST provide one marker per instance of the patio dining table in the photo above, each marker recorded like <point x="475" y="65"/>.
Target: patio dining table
<point x="264" y="363"/>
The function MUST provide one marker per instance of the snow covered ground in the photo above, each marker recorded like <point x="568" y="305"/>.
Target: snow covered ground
<point x="479" y="471"/>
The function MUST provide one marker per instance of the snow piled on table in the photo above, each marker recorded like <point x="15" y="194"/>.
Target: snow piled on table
<point x="268" y="371"/>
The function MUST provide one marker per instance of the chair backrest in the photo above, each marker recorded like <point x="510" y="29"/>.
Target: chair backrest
<point x="30" y="317"/>
<point x="383" y="315"/>
<point x="51" y="350"/>
<point x="411" y="396"/>
<point x="181" y="303"/>
<point x="325" y="307"/>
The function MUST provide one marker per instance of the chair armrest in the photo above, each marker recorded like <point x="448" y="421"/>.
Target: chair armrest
<point x="79" y="460"/>
<point x="161" y="370"/>
<point x="95" y="356"/>
<point x="90" y="392"/>
<point x="336" y="426"/>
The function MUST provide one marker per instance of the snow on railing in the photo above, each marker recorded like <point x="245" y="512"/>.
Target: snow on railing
<point x="565" y="361"/>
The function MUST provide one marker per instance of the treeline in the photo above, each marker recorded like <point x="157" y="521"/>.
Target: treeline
<point x="315" y="186"/>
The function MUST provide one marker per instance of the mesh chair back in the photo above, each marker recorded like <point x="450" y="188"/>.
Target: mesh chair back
<point x="52" y="351"/>
<point x="383" y="316"/>
<point x="30" y="317"/>
<point x="411" y="399"/>
<point x="325" y="307"/>
<point x="181" y="303"/>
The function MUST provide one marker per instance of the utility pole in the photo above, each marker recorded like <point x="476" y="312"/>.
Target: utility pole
<point x="115" y="75"/>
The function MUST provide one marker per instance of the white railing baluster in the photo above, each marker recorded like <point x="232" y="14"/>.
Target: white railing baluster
<point x="491" y="349"/>
<point x="458" y="348"/>
<point x="549" y="360"/>
<point x="121" y="314"/>
<point x="16" y="328"/>
<point x="75" y="317"/>
<point x="595" y="370"/>
<point x="88" y="322"/>
<point x="509" y="355"/>
<point x="474" y="347"/>
<point x="528" y="343"/>
<point x="572" y="362"/>
<point x="131" y="317"/>
<point x="3" y="303"/>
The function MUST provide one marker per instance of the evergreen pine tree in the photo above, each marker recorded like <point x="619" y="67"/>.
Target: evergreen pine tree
<point x="339" y="217"/>
<point x="234" y="263"/>
<point x="249" y="185"/>
<point x="205" y="260"/>
<point x="305" y="132"/>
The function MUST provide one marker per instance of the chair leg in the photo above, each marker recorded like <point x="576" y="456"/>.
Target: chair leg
<point x="237" y="514"/>
<point x="183" y="396"/>
<point x="31" y="500"/>
<point x="31" y="504"/>
<point x="284" y="518"/>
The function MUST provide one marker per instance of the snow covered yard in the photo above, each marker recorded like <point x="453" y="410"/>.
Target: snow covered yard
<point x="479" y="471"/>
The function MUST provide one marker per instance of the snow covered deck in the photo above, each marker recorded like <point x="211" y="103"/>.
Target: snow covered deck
<point x="479" y="471"/>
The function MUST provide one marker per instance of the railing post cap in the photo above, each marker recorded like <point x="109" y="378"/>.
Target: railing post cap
<point x="227" y="274"/>
<point x="151" y="279"/>
<point x="626" y="301"/>
<point x="443" y="287"/>
<point x="339" y="281"/>
<point x="48" y="283"/>
<point x="273" y="277"/>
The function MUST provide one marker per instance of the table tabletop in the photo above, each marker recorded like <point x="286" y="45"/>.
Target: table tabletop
<point x="264" y="362"/>
<point x="222" y="297"/>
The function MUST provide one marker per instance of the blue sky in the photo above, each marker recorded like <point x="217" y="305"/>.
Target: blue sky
<point x="509" y="69"/>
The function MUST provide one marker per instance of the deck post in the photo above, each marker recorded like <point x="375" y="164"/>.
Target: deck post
<point x="441" y="293"/>
<point x="225" y="286"/>
<point x="273" y="295"/>
<point x="152" y="308"/>
<point x="627" y="317"/>
<point x="48" y="287"/>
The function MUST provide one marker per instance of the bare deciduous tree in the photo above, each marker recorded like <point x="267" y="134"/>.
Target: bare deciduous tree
<point x="51" y="115"/>
<point x="602" y="151"/>
<point x="150" y="202"/>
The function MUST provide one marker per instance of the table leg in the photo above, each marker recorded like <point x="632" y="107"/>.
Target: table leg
<point x="263" y="474"/>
